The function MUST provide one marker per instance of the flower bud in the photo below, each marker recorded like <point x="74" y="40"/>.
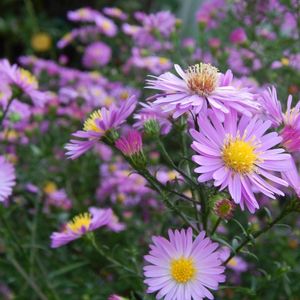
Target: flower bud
<point x="224" y="209"/>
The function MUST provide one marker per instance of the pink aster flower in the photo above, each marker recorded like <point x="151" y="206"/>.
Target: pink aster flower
<point x="7" y="178"/>
<point x="238" y="36"/>
<point x="271" y="106"/>
<point x="24" y="80"/>
<point x="292" y="176"/>
<point x="80" y="225"/>
<point x="116" y="297"/>
<point x="152" y="112"/>
<point x="96" y="55"/>
<point x="199" y="86"/>
<point x="106" y="25"/>
<point x="239" y="155"/>
<point x="272" y="110"/>
<point x="130" y="144"/>
<point x="181" y="268"/>
<point x="291" y="130"/>
<point x="115" y="12"/>
<point x="97" y="125"/>
<point x="84" y="14"/>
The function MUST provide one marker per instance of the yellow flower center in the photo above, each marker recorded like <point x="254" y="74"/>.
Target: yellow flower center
<point x="202" y="78"/>
<point x="163" y="60"/>
<point x="239" y="155"/>
<point x="41" y="41"/>
<point x="50" y="187"/>
<point x="124" y="95"/>
<point x="80" y="223"/>
<point x="106" y="25"/>
<point x="285" y="61"/>
<point x="90" y="123"/>
<point x="28" y="78"/>
<point x="172" y="175"/>
<point x="232" y="262"/>
<point x="183" y="270"/>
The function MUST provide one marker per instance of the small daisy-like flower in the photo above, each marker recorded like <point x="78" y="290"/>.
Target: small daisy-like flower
<point x="97" y="125"/>
<point x="80" y="225"/>
<point x="181" y="268"/>
<point x="24" y="80"/>
<point x="239" y="155"/>
<point x="199" y="86"/>
<point x="7" y="179"/>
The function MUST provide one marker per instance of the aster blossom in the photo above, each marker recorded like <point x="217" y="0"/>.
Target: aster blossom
<point x="289" y="121"/>
<point x="23" y="80"/>
<point x="7" y="178"/>
<point x="80" y="225"/>
<point x="239" y="155"/>
<point x="97" y="125"/>
<point x="181" y="268"/>
<point x="198" y="87"/>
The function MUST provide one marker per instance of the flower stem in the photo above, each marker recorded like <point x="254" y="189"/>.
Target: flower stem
<point x="257" y="234"/>
<point x="216" y="226"/>
<point x="3" y="116"/>
<point x="112" y="260"/>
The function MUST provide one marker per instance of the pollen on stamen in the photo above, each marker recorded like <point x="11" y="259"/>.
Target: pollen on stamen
<point x="239" y="155"/>
<point x="202" y="78"/>
<point x="80" y="223"/>
<point x="90" y="124"/>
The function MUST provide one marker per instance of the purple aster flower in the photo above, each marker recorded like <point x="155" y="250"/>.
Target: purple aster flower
<point x="236" y="263"/>
<point x="238" y="36"/>
<point x="84" y="14"/>
<point x="80" y="225"/>
<point x="152" y="112"/>
<point x="106" y="25"/>
<point x="115" y="225"/>
<point x="181" y="268"/>
<point x="116" y="297"/>
<point x="271" y="106"/>
<point x="200" y="85"/>
<point x="291" y="130"/>
<point x="290" y="120"/>
<point x="120" y="184"/>
<point x="7" y="178"/>
<point x="292" y="176"/>
<point x="239" y="155"/>
<point x="96" y="55"/>
<point x="162" y="21"/>
<point x="97" y="125"/>
<point x="24" y="80"/>
<point x="115" y="12"/>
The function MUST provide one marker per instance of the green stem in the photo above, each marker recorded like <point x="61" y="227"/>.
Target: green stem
<point x="110" y="258"/>
<point x="3" y="116"/>
<point x="27" y="278"/>
<point x="189" y="173"/>
<point x="163" y="191"/>
<point x="256" y="235"/>
<point x="216" y="226"/>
